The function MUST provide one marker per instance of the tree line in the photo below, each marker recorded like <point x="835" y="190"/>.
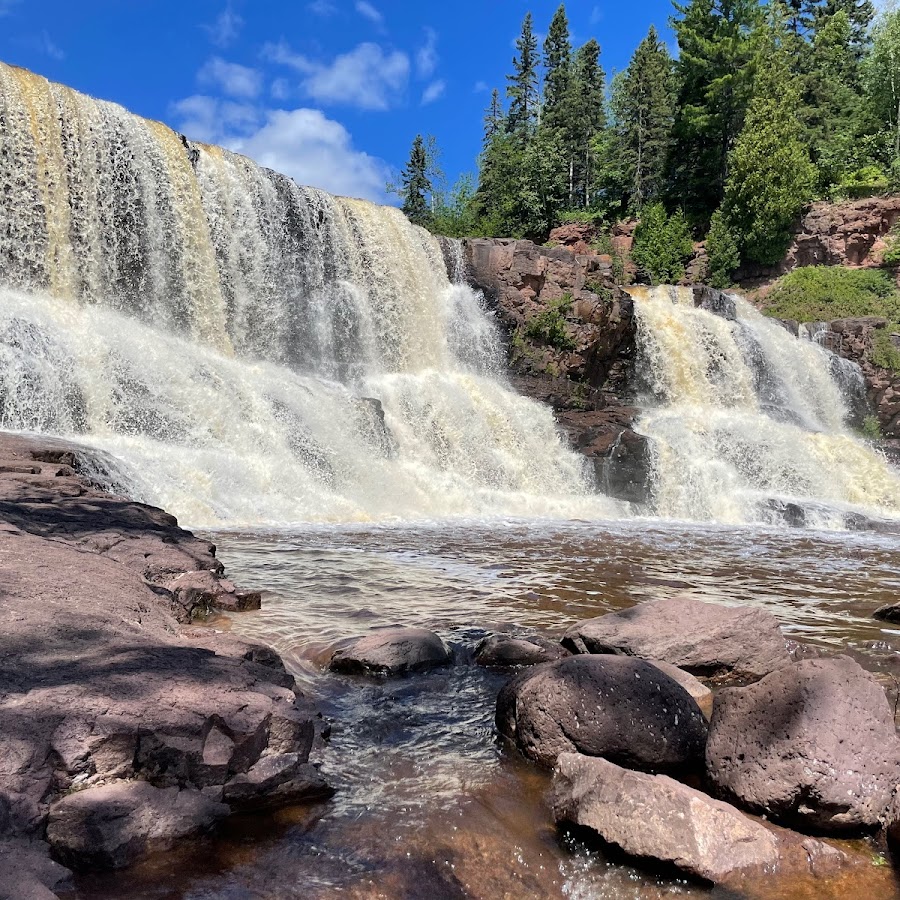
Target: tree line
<point x="765" y="107"/>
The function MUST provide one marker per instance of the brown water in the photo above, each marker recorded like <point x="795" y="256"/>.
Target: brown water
<point x="428" y="804"/>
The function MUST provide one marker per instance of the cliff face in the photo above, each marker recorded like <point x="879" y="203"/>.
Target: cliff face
<point x="569" y="330"/>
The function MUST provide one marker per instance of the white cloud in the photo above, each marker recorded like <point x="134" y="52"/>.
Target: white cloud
<point x="215" y="121"/>
<point x="281" y="89"/>
<point x="596" y="15"/>
<point x="434" y="91"/>
<point x="226" y="27"/>
<point x="315" y="150"/>
<point x="367" y="11"/>
<point x="426" y="56"/>
<point x="232" y="79"/>
<point x="481" y="87"/>
<point x="322" y="8"/>
<point x="46" y="45"/>
<point x="367" y="76"/>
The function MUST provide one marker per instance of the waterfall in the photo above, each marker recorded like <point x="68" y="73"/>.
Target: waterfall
<point x="747" y="420"/>
<point x="253" y="350"/>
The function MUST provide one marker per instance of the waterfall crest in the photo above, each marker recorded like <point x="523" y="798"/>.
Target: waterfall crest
<point x="746" y="418"/>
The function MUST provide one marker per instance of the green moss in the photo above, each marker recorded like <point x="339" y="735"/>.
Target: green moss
<point x="822" y="293"/>
<point x="549" y="326"/>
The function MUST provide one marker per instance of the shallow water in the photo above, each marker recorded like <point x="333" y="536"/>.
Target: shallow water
<point x="428" y="804"/>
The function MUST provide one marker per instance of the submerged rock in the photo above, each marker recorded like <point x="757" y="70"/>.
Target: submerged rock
<point x="391" y="651"/>
<point x="506" y="651"/>
<point x="109" y="827"/>
<point x="653" y="817"/>
<point x="276" y="781"/>
<point x="813" y="745"/>
<point x="702" y="638"/>
<point x="890" y="612"/>
<point x="625" y="710"/>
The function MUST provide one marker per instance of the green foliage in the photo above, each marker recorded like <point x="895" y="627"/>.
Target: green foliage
<point x="722" y="251"/>
<point x="881" y="75"/>
<point x="884" y="352"/>
<point x="821" y="293"/>
<point x="558" y="72"/>
<point x="549" y="327"/>
<point x="871" y="429"/>
<point x="662" y="245"/>
<point x="770" y="175"/>
<point x="455" y="215"/>
<point x="580" y="217"/>
<point x="416" y="184"/>
<point x="865" y="182"/>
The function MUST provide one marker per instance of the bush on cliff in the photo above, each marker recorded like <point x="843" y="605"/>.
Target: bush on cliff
<point x="722" y="251"/>
<point x="821" y="293"/>
<point x="662" y="245"/>
<point x="549" y="327"/>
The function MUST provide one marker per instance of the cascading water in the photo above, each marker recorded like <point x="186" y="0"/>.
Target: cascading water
<point x="255" y="351"/>
<point x="747" y="419"/>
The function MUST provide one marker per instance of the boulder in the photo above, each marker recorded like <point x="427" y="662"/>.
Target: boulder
<point x="702" y="695"/>
<point x="890" y="612"/>
<point x="706" y="639"/>
<point x="652" y="817"/>
<point x="391" y="651"/>
<point x="813" y="745"/>
<point x="109" y="827"/>
<point x="27" y="872"/>
<point x="501" y="651"/>
<point x="276" y="781"/>
<point x="625" y="710"/>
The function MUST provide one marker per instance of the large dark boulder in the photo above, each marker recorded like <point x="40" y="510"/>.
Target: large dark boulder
<point x="391" y="651"/>
<point x="625" y="710"/>
<point x="503" y="651"/>
<point x="813" y="745"/>
<point x="652" y="817"/>
<point x="705" y="639"/>
<point x="109" y="827"/>
<point x="702" y="695"/>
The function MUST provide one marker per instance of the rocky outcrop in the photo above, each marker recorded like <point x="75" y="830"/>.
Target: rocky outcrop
<point x="570" y="336"/>
<point x="99" y="684"/>
<point x="390" y="651"/>
<point x="624" y="710"/>
<point x="652" y="817"/>
<point x="813" y="745"/>
<point x="706" y="639"/>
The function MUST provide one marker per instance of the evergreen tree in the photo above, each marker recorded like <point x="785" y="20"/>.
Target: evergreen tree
<point x="587" y="119"/>
<point x="644" y="109"/>
<point x="860" y="14"/>
<point x="715" y="40"/>
<point x="722" y="251"/>
<point x="558" y="71"/>
<point x="771" y="176"/>
<point x="494" y="119"/>
<point x="523" y="83"/>
<point x="416" y="185"/>
<point x="662" y="245"/>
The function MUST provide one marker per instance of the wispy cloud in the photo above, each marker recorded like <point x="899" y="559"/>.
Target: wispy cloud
<point x="214" y="120"/>
<point x="481" y="87"/>
<point x="367" y="77"/>
<point x="426" y="55"/>
<point x="322" y="8"/>
<point x="6" y="6"/>
<point x="368" y="11"/>
<point x="596" y="15"/>
<point x="232" y="79"/>
<point x="224" y="31"/>
<point x="46" y="45"/>
<point x="434" y="91"/>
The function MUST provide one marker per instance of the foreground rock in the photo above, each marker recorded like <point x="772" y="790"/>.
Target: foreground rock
<point x="652" y="817"/>
<point x="706" y="639"/>
<point x="624" y="710"/>
<point x="108" y="827"/>
<point x="391" y="651"/>
<point x="99" y="684"/>
<point x="506" y="651"/>
<point x="700" y="693"/>
<point x="813" y="745"/>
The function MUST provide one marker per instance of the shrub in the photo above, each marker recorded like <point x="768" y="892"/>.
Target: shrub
<point x="863" y="182"/>
<point x="821" y="293"/>
<point x="580" y="217"/>
<point x="871" y="428"/>
<point x="884" y="352"/>
<point x="662" y="245"/>
<point x="549" y="327"/>
<point x="722" y="251"/>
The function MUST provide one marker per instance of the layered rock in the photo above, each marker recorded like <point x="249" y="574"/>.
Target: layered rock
<point x="99" y="684"/>
<point x="624" y="710"/>
<point x="581" y="371"/>
<point x="813" y="745"/>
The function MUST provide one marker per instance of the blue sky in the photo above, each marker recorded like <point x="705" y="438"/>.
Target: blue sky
<point x="331" y="92"/>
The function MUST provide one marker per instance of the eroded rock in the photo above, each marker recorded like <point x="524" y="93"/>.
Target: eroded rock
<point x="812" y="745"/>
<point x="625" y="710"/>
<point x="391" y="651"/>
<point x="704" y="639"/>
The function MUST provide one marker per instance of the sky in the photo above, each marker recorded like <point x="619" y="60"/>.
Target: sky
<point x="330" y="92"/>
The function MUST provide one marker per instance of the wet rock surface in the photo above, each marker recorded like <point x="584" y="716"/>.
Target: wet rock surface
<point x="391" y="651"/>
<point x="653" y="817"/>
<point x="812" y="745"/>
<point x="501" y="651"/>
<point x="99" y="684"/>
<point x="624" y="710"/>
<point x="702" y="638"/>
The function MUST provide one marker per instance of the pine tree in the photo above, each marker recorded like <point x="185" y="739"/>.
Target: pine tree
<point x="493" y="118"/>
<point x="523" y="83"/>
<point x="771" y="176"/>
<point x="416" y="184"/>
<point x="860" y="14"/>
<point x="715" y="40"/>
<point x="557" y="67"/>
<point x="587" y="119"/>
<point x="644" y="108"/>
